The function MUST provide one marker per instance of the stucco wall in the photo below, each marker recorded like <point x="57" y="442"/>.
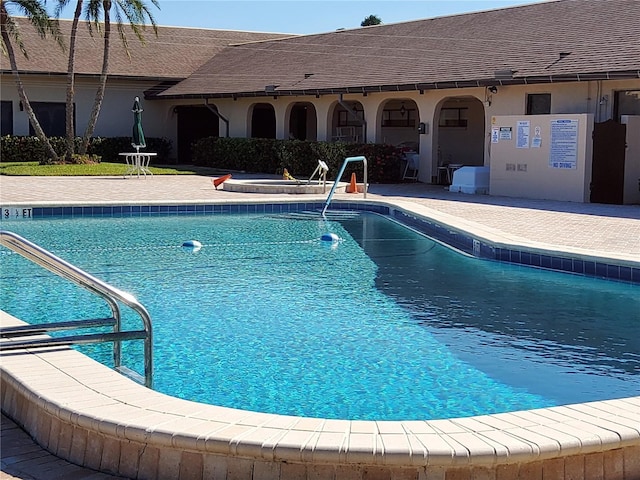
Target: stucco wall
<point x="554" y="163"/>
<point x="160" y="121"/>
<point x="115" y="117"/>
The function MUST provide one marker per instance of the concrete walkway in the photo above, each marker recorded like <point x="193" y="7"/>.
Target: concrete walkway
<point x="23" y="459"/>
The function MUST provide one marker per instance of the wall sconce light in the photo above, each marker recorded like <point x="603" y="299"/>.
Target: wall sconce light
<point x="493" y="89"/>
<point x="604" y="99"/>
<point x="403" y="110"/>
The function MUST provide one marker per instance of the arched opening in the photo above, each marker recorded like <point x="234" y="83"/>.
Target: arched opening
<point x="348" y="122"/>
<point x="263" y="121"/>
<point x="303" y="123"/>
<point x="194" y="123"/>
<point x="459" y="127"/>
<point x="398" y="124"/>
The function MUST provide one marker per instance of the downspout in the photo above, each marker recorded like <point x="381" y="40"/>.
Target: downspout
<point x="354" y="115"/>
<point x="217" y="114"/>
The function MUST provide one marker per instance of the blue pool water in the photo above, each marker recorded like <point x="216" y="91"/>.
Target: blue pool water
<point x="386" y="324"/>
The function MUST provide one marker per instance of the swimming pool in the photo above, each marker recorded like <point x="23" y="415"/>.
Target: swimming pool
<point x="399" y="325"/>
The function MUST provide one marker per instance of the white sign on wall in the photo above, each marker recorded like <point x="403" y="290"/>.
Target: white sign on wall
<point x="563" y="149"/>
<point x="523" y="134"/>
<point x="537" y="137"/>
<point x="505" y="133"/>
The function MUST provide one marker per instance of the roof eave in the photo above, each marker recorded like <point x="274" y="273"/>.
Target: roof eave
<point x="145" y="78"/>
<point x="452" y="84"/>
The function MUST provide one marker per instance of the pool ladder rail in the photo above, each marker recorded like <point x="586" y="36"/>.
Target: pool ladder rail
<point x="339" y="176"/>
<point x="111" y="295"/>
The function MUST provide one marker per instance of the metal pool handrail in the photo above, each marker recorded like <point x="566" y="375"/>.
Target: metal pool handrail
<point x="108" y="293"/>
<point x="335" y="182"/>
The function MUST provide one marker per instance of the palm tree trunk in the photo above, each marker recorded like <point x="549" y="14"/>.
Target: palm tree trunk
<point x="91" y="125"/>
<point x="22" y="94"/>
<point x="70" y="127"/>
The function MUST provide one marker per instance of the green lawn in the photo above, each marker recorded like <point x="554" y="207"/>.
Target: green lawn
<point x="99" y="169"/>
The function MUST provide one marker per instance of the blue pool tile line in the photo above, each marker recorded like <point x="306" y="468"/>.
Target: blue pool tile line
<point x="481" y="249"/>
<point x="141" y="210"/>
<point x="443" y="233"/>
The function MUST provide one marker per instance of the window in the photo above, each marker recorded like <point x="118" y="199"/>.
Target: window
<point x="538" y="104"/>
<point x="52" y="118"/>
<point x="346" y="119"/>
<point x="400" y="117"/>
<point x="454" y="117"/>
<point x="6" y="120"/>
<point x="627" y="102"/>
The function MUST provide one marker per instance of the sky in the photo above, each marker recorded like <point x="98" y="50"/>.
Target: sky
<point x="305" y="16"/>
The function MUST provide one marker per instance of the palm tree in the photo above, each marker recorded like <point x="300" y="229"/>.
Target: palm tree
<point x="136" y="12"/>
<point x="69" y="111"/>
<point x="35" y="11"/>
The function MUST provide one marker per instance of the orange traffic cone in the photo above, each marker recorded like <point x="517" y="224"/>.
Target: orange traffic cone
<point x="353" y="186"/>
<point x="220" y="180"/>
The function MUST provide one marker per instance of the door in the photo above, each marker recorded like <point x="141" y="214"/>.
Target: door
<point x="298" y="123"/>
<point x="194" y="123"/>
<point x="263" y="121"/>
<point x="607" y="167"/>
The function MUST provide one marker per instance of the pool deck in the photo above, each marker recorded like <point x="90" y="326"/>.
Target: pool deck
<point x="87" y="414"/>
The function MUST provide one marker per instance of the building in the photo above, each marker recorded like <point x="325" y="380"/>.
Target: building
<point x="162" y="61"/>
<point x="518" y="90"/>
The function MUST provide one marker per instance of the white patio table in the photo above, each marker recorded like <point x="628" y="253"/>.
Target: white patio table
<point x="138" y="163"/>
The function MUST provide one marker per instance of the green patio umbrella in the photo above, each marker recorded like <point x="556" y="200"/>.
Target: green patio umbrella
<point x="138" y="135"/>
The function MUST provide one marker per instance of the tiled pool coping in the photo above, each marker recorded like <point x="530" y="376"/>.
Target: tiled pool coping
<point x="89" y="414"/>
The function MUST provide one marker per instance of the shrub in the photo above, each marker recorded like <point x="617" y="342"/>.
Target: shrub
<point x="384" y="162"/>
<point x="31" y="149"/>
<point x="222" y="153"/>
<point x="299" y="157"/>
<point x="76" y="159"/>
<point x="110" y="148"/>
<point x="25" y="149"/>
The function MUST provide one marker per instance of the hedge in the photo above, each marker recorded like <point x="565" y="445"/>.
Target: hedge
<point x="299" y="157"/>
<point x="257" y="155"/>
<point x="31" y="149"/>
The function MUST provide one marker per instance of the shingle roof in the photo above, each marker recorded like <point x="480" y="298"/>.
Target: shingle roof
<point x="173" y="54"/>
<point x="541" y="42"/>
